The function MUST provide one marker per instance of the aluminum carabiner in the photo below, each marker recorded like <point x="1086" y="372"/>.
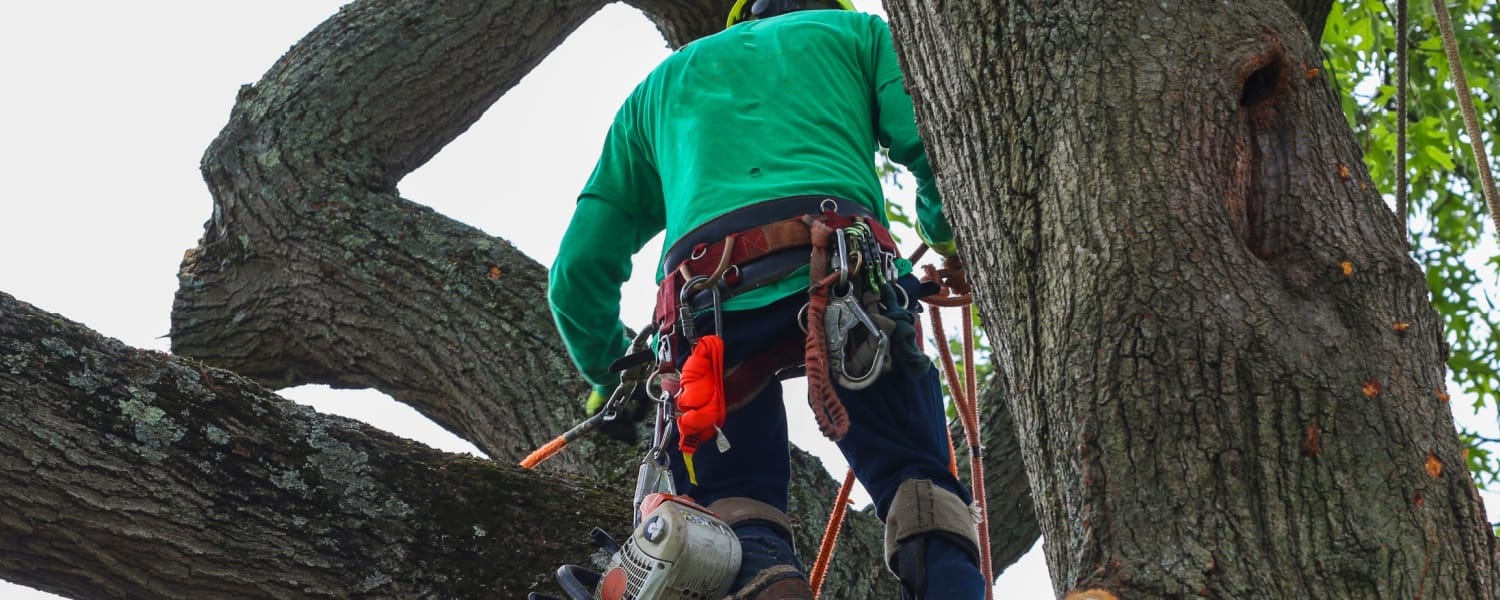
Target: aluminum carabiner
<point x="685" y="307"/>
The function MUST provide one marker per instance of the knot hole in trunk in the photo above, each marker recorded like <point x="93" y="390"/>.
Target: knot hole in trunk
<point x="1261" y="212"/>
<point x="1264" y="84"/>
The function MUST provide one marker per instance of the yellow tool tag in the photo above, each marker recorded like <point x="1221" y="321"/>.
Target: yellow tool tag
<point x="687" y="461"/>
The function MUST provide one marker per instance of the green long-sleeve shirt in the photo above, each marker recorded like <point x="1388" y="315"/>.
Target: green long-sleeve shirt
<point x="787" y="106"/>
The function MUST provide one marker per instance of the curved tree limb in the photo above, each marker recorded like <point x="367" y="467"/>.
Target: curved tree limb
<point x="130" y="473"/>
<point x="313" y="269"/>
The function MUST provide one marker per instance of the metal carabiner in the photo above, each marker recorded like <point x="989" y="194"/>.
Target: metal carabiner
<point x="841" y="260"/>
<point x="685" y="307"/>
<point x="847" y="314"/>
<point x="655" y="475"/>
<point x="631" y="377"/>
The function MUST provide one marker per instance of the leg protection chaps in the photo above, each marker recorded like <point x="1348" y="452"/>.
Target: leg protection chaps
<point x="765" y="581"/>
<point x="919" y="511"/>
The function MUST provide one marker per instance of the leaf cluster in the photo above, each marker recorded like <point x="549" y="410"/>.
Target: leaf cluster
<point x="1448" y="220"/>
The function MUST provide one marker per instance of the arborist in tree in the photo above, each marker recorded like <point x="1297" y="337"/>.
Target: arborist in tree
<point x="753" y="149"/>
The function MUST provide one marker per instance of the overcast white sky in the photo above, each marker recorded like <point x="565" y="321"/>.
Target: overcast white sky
<point x="106" y="109"/>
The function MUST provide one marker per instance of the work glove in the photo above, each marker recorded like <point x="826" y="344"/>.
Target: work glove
<point x="906" y="350"/>
<point x="597" y="397"/>
<point x="948" y="249"/>
<point x="631" y="412"/>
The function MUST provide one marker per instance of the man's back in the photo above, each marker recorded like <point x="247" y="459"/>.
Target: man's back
<point x="793" y="105"/>
<point x="765" y="109"/>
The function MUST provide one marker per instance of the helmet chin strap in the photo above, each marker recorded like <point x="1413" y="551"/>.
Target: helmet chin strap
<point x="770" y="8"/>
<point x="759" y="7"/>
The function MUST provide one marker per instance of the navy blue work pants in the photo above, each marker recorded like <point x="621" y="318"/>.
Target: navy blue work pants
<point x="897" y="431"/>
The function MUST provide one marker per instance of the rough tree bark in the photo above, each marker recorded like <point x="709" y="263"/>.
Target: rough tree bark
<point x="1225" y="373"/>
<point x="314" y="270"/>
<point x="134" y="474"/>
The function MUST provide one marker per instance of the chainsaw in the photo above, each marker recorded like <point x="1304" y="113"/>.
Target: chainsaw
<point x="678" y="550"/>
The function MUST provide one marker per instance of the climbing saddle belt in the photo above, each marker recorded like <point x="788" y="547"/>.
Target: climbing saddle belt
<point x="741" y="251"/>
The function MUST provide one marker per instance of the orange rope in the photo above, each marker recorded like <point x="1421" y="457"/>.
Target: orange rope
<point x="831" y="535"/>
<point x="952" y="456"/>
<point x="964" y="397"/>
<point x="976" y="460"/>
<point x="545" y="452"/>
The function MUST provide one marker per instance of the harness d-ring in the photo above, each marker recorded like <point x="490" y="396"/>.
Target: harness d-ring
<point x="829" y="205"/>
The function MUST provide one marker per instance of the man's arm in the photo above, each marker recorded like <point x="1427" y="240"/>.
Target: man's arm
<point x="896" y="124"/>
<point x="619" y="210"/>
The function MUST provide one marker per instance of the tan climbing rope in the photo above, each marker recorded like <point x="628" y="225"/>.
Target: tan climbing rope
<point x="1403" y="207"/>
<point x="1466" y="106"/>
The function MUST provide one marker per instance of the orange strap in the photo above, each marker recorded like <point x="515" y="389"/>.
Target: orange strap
<point x="828" y="411"/>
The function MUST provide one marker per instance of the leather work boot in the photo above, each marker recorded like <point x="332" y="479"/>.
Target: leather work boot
<point x="776" y="583"/>
<point x="787" y="589"/>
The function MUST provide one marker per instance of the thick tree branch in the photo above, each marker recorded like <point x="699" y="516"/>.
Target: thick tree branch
<point x="313" y="270"/>
<point x="130" y="473"/>
<point x="682" y="21"/>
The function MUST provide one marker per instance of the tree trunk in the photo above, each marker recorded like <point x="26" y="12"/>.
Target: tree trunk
<point x="1012" y="520"/>
<point x="1222" y="364"/>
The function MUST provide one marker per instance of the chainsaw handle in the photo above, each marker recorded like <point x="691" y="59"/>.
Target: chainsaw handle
<point x="577" y="582"/>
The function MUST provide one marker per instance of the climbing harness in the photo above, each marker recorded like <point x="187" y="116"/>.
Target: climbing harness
<point x="721" y="259"/>
<point x="857" y="325"/>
